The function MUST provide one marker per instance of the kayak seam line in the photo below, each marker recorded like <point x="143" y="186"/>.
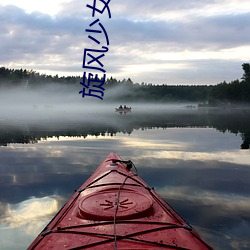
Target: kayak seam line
<point x="114" y="170"/>
<point x="128" y="237"/>
<point x="62" y="230"/>
<point x="120" y="222"/>
<point x="173" y="212"/>
<point x="99" y="178"/>
<point x="44" y="233"/>
<point x="110" y="184"/>
<point x="166" y="208"/>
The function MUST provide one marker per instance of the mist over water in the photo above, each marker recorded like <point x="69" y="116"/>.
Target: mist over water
<point x="61" y="102"/>
<point x="54" y="110"/>
<point x="52" y="139"/>
<point x="45" y="102"/>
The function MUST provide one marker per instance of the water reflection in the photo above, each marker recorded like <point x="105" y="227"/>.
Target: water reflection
<point x="20" y="222"/>
<point x="82" y="124"/>
<point x="31" y="210"/>
<point x="195" y="166"/>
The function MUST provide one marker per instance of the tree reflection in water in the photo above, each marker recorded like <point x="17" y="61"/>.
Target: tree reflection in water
<point x="233" y="121"/>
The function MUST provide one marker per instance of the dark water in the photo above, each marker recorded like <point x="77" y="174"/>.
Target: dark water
<point x="197" y="160"/>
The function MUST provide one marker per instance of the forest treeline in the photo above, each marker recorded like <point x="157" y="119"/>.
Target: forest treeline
<point x="235" y="122"/>
<point x="236" y="91"/>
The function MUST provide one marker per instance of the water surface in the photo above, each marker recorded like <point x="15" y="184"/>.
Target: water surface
<point x="193" y="158"/>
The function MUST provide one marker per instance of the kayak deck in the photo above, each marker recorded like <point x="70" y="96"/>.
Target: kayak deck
<point x="116" y="209"/>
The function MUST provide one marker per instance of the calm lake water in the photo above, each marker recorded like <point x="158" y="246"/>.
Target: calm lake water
<point x="197" y="160"/>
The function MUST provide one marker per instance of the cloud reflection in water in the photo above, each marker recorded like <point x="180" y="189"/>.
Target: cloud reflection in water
<point x="198" y="171"/>
<point x="21" y="222"/>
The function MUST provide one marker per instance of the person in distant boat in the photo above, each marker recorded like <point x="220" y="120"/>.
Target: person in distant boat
<point x="120" y="107"/>
<point x="125" y="106"/>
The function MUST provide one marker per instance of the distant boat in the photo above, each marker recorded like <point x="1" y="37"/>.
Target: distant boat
<point x="125" y="110"/>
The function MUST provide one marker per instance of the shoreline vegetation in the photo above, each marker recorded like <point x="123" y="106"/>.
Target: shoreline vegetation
<point x="22" y="130"/>
<point x="226" y="95"/>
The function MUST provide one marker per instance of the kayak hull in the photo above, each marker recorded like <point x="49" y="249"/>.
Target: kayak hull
<point x="116" y="209"/>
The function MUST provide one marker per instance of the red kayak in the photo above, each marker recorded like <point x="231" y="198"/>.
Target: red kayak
<point x="116" y="209"/>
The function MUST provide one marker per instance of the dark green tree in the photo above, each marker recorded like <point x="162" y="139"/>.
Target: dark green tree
<point x="246" y="69"/>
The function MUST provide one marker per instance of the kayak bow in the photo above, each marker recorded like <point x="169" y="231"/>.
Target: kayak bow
<point x="116" y="209"/>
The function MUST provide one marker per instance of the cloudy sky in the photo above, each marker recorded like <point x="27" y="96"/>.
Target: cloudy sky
<point x="159" y="41"/>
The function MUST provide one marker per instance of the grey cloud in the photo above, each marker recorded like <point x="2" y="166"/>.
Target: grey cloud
<point x="128" y="31"/>
<point x="220" y="31"/>
<point x="148" y="8"/>
<point x="130" y="8"/>
<point x="37" y="37"/>
<point x="12" y="16"/>
<point x="34" y="35"/>
<point x="199" y="32"/>
<point x="223" y="31"/>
